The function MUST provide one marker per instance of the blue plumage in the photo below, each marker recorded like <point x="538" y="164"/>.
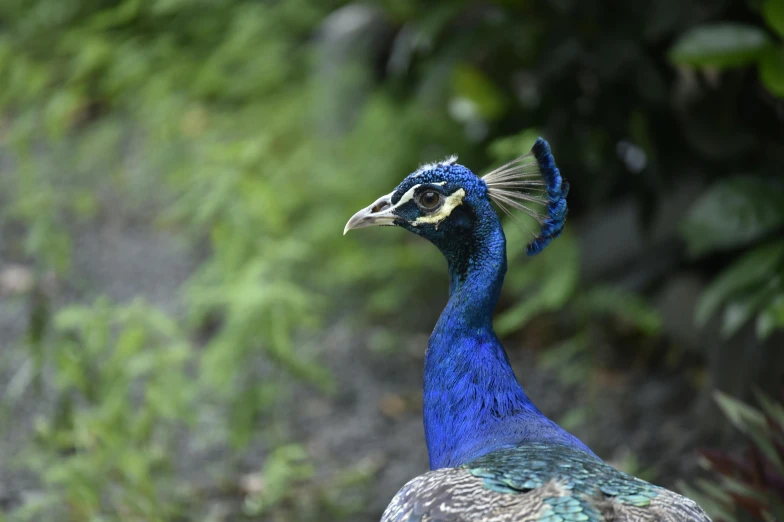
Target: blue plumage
<point x="557" y="190"/>
<point x="550" y="173"/>
<point x="494" y="455"/>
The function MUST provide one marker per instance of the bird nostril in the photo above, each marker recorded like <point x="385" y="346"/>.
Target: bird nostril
<point x="378" y="207"/>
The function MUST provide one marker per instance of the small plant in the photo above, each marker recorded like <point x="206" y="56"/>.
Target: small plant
<point x="748" y="487"/>
<point x="123" y="392"/>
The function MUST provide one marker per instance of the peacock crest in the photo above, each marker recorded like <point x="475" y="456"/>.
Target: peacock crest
<point x="527" y="184"/>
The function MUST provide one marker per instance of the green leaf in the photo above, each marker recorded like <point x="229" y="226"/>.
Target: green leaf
<point x="771" y="70"/>
<point x="744" y="417"/>
<point x="719" y="45"/>
<point x="738" y="488"/>
<point x="623" y="305"/>
<point x="753" y="269"/>
<point x="568" y="359"/>
<point x="715" y="491"/>
<point x="519" y="315"/>
<point x="545" y="285"/>
<point x="285" y="468"/>
<point x="773" y="12"/>
<point x="771" y="408"/>
<point x="739" y="311"/>
<point x="732" y="213"/>
<point x="771" y="317"/>
<point x="750" y="421"/>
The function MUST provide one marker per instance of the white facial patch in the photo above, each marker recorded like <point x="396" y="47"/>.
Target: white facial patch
<point x="452" y="202"/>
<point x="405" y="198"/>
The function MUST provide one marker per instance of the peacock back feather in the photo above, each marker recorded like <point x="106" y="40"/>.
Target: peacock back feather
<point x="537" y="482"/>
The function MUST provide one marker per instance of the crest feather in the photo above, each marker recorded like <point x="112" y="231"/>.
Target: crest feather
<point x="532" y="184"/>
<point x="449" y="160"/>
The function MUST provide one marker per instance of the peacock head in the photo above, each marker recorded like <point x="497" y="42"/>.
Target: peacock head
<point x="445" y="202"/>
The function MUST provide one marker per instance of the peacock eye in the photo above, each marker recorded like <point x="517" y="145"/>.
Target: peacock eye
<point x="429" y="199"/>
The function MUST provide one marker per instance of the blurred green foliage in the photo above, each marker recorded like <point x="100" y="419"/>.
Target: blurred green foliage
<point x="252" y="130"/>
<point x="748" y="487"/>
<point x="122" y="393"/>
<point x="743" y="209"/>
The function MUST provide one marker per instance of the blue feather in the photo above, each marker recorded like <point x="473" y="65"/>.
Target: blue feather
<point x="557" y="189"/>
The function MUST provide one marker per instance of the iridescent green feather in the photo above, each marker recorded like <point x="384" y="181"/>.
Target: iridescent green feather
<point x="582" y="477"/>
<point x="537" y="483"/>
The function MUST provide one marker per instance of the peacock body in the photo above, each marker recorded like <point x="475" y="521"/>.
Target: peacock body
<point x="493" y="455"/>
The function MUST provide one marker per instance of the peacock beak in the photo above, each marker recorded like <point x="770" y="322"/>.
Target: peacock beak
<point x="381" y="212"/>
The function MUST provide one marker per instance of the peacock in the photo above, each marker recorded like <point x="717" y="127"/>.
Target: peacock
<point x="493" y="455"/>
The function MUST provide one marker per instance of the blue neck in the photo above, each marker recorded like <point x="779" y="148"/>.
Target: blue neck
<point x="472" y="402"/>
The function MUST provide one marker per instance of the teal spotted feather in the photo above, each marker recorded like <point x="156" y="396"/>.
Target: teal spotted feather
<point x="537" y="483"/>
<point x="494" y="456"/>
